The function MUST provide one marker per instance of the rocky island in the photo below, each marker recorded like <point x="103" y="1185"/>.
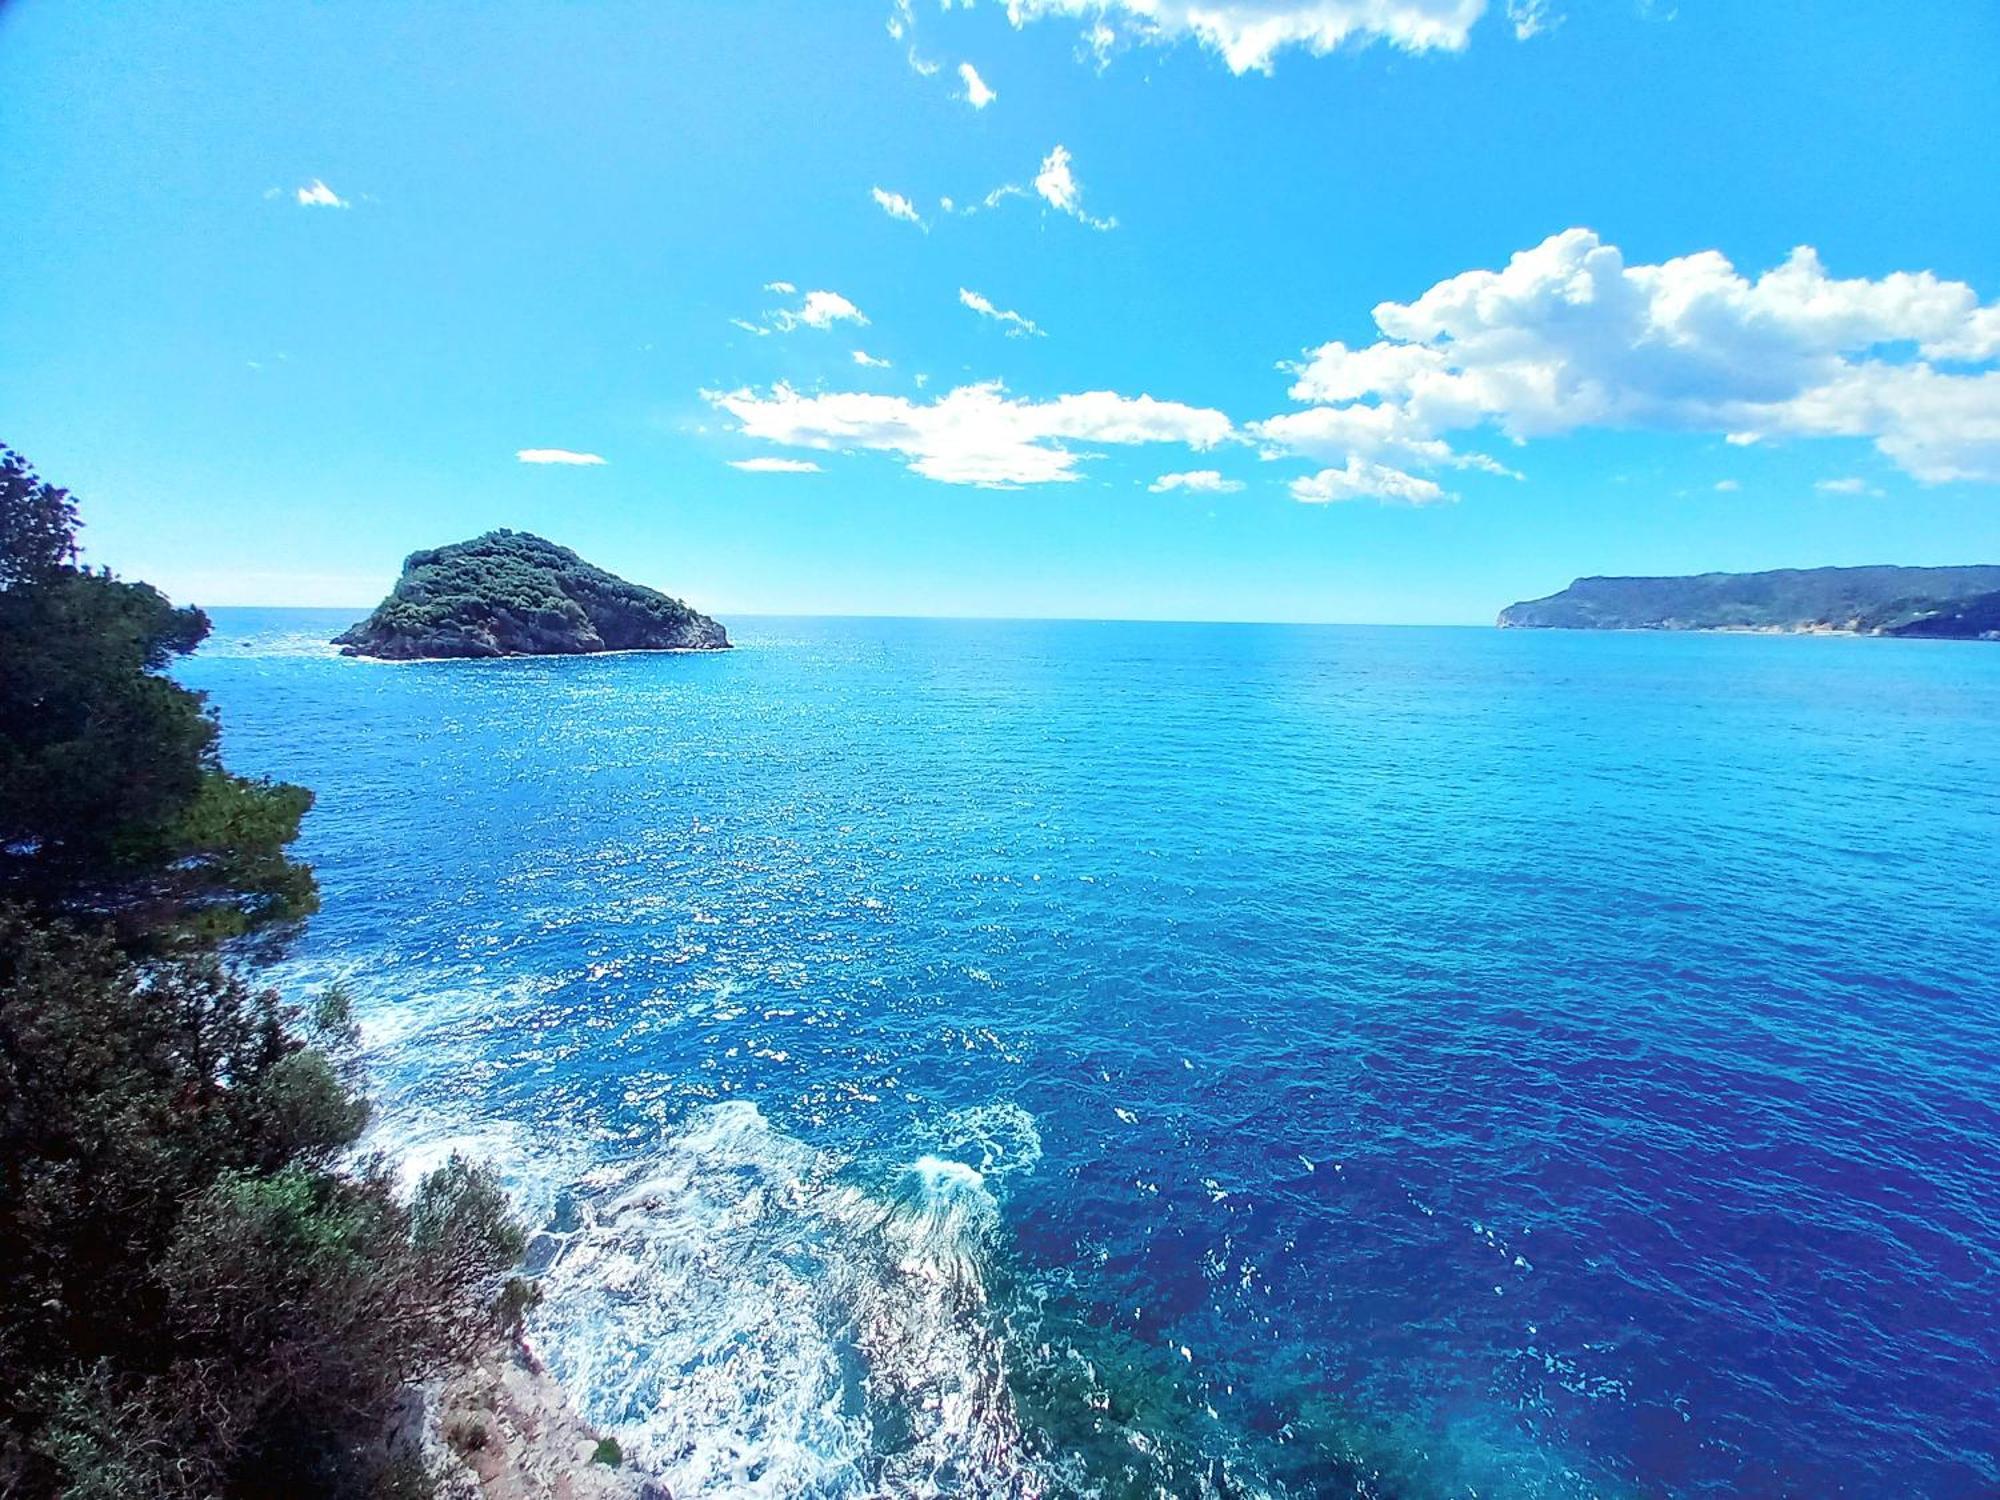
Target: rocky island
<point x="1953" y="603"/>
<point x="508" y="593"/>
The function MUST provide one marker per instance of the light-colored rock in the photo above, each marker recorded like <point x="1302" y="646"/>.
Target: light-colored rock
<point x="503" y="1429"/>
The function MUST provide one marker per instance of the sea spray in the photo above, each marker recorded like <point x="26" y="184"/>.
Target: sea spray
<point x="749" y="1322"/>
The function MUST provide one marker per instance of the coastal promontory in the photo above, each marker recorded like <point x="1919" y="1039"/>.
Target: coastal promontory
<point x="1961" y="602"/>
<point x="508" y="593"/>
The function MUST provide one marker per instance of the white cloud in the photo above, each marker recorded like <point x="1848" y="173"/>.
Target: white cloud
<point x="1362" y="479"/>
<point x="1851" y="485"/>
<point x="1248" y="34"/>
<point x="1058" y="187"/>
<point x="824" y="309"/>
<point x="977" y="94"/>
<point x="317" y="194"/>
<point x="1202" y="481"/>
<point x="775" y="465"/>
<point x="820" y="309"/>
<point x="556" y="456"/>
<point x="976" y="434"/>
<point x="896" y="206"/>
<point x="1727" y="486"/>
<point x="863" y="357"/>
<point x="1568" y="335"/>
<point x="1531" y="18"/>
<point x="1015" y="324"/>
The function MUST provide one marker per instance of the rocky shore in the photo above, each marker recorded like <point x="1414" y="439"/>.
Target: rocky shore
<point x="503" y="1429"/>
<point x="511" y="594"/>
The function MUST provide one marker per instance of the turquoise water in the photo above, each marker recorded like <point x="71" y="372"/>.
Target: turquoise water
<point x="1046" y="1058"/>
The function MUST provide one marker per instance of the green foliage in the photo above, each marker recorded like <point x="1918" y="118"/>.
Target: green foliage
<point x="194" y="1302"/>
<point x="1868" y="599"/>
<point x="608" y="1453"/>
<point x="508" y="591"/>
<point x="37" y="523"/>
<point x="112" y="798"/>
<point x="188" y="1285"/>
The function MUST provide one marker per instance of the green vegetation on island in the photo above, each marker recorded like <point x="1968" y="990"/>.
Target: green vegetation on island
<point x="511" y="594"/>
<point x="200" y="1295"/>
<point x="1962" y="603"/>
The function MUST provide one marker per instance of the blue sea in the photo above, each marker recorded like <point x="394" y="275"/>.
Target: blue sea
<point x="1059" y="1059"/>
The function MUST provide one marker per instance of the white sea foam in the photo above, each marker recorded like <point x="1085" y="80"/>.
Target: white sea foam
<point x="751" y="1324"/>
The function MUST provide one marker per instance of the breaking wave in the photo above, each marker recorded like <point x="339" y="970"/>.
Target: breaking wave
<point x="749" y="1321"/>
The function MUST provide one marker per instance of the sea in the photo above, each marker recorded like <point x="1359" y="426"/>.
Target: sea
<point x="1026" y="1058"/>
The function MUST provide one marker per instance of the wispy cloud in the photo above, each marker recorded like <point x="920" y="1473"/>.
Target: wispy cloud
<point x="1059" y="188"/>
<point x="1015" y="324"/>
<point x="976" y="434"/>
<point x="775" y="465"/>
<point x="317" y="194"/>
<point x="820" y="309"/>
<point x="1851" y="485"/>
<point x="556" y="456"/>
<point x="1249" y="34"/>
<point x="1364" y="480"/>
<point x="1055" y="183"/>
<point x="1727" y="486"/>
<point x="1531" y="18"/>
<point x="1199" y="481"/>
<point x="977" y="94"/>
<point x="863" y="357"/>
<point x="896" y="206"/>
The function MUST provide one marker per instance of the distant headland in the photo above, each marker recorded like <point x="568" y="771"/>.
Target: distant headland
<point x="1945" y="603"/>
<point x="511" y="594"/>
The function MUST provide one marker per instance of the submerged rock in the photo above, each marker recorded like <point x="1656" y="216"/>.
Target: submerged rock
<point x="511" y="594"/>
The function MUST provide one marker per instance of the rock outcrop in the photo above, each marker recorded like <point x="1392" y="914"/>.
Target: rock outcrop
<point x="503" y="1429"/>
<point x="511" y="594"/>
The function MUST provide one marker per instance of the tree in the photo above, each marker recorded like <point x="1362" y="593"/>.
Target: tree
<point x="113" y="800"/>
<point x="198" y="1297"/>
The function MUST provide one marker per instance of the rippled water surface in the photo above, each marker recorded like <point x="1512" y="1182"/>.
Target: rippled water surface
<point x="1047" y="1059"/>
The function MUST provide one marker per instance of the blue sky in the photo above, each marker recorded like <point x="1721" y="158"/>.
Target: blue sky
<point x="1444" y="307"/>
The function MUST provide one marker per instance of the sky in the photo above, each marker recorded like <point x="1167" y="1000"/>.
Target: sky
<point x="1319" y="310"/>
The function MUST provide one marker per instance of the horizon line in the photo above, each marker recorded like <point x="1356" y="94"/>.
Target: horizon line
<point x="364" y="610"/>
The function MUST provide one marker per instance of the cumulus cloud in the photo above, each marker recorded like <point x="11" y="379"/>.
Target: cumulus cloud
<point x="1249" y="34"/>
<point x="1568" y="335"/>
<point x="1201" y="481"/>
<point x="1013" y="322"/>
<point x="775" y="465"/>
<point x="556" y="456"/>
<point x="977" y="94"/>
<point x="976" y="434"/>
<point x="1362" y="480"/>
<point x="896" y="206"/>
<point x="863" y="357"/>
<point x="317" y="194"/>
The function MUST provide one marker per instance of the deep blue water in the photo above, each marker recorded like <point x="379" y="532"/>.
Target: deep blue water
<point x="1051" y="1058"/>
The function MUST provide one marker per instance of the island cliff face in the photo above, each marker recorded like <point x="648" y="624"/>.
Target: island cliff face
<point x="511" y="594"/>
<point x="1959" y="603"/>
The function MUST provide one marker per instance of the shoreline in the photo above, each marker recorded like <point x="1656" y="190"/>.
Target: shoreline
<point x="503" y="1428"/>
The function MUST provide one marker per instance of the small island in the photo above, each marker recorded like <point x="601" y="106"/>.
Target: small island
<point x="1944" y="603"/>
<point x="508" y="593"/>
